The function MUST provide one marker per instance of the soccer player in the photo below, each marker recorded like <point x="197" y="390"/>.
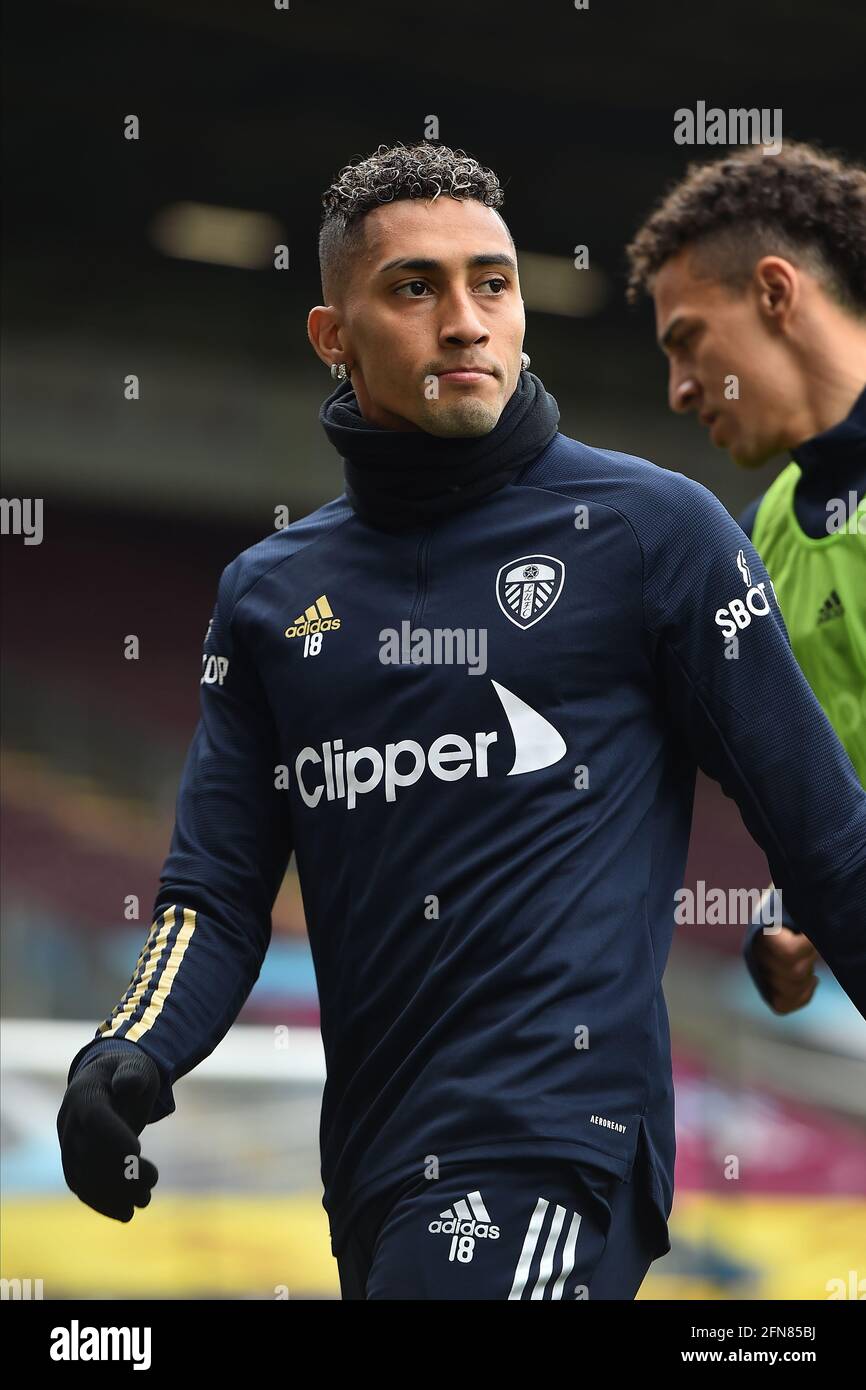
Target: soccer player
<point x="757" y="269"/>
<point x="471" y="692"/>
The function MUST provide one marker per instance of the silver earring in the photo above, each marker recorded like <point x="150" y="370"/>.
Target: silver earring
<point x="525" y="360"/>
<point x="339" y="371"/>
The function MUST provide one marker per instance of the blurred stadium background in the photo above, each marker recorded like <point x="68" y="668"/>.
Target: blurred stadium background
<point x="154" y="257"/>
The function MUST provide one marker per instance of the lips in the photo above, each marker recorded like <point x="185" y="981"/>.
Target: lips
<point x="467" y="373"/>
<point x="714" y="422"/>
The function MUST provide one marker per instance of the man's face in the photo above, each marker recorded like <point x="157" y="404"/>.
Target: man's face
<point x="435" y="289"/>
<point x="727" y="362"/>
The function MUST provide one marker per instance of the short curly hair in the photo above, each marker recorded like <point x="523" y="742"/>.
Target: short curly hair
<point x="423" y="170"/>
<point x="803" y="203"/>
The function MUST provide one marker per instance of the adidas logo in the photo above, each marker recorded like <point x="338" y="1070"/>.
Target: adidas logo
<point x="319" y="617"/>
<point x="468" y="1217"/>
<point x="831" y="608"/>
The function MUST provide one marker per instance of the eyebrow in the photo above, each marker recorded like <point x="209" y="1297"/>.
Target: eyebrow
<point x="428" y="263"/>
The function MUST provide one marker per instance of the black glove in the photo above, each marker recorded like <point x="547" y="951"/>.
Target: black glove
<point x="107" y="1104"/>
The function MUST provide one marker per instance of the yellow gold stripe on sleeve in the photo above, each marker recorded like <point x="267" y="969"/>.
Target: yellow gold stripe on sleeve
<point x="127" y="1010"/>
<point x="140" y="966"/>
<point x="166" y="980"/>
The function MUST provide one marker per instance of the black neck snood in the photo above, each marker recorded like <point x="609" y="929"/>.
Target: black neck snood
<point x="397" y="479"/>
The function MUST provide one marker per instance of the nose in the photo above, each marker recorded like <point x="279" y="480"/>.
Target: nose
<point x="683" y="391"/>
<point x="461" y="323"/>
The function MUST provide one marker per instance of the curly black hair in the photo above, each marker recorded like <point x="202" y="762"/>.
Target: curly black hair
<point x="803" y="203"/>
<point x="423" y="170"/>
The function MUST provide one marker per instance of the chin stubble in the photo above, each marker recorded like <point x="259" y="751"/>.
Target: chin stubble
<point x="460" y="418"/>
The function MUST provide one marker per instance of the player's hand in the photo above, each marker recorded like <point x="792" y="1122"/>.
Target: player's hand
<point x="107" y="1104"/>
<point x="786" y="960"/>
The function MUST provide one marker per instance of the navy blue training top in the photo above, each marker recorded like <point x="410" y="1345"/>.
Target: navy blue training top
<point x="488" y="857"/>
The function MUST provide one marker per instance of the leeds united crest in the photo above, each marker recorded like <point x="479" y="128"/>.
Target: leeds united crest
<point x="527" y="589"/>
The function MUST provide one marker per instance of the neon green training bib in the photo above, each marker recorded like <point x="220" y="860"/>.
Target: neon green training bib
<point x="821" y="589"/>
